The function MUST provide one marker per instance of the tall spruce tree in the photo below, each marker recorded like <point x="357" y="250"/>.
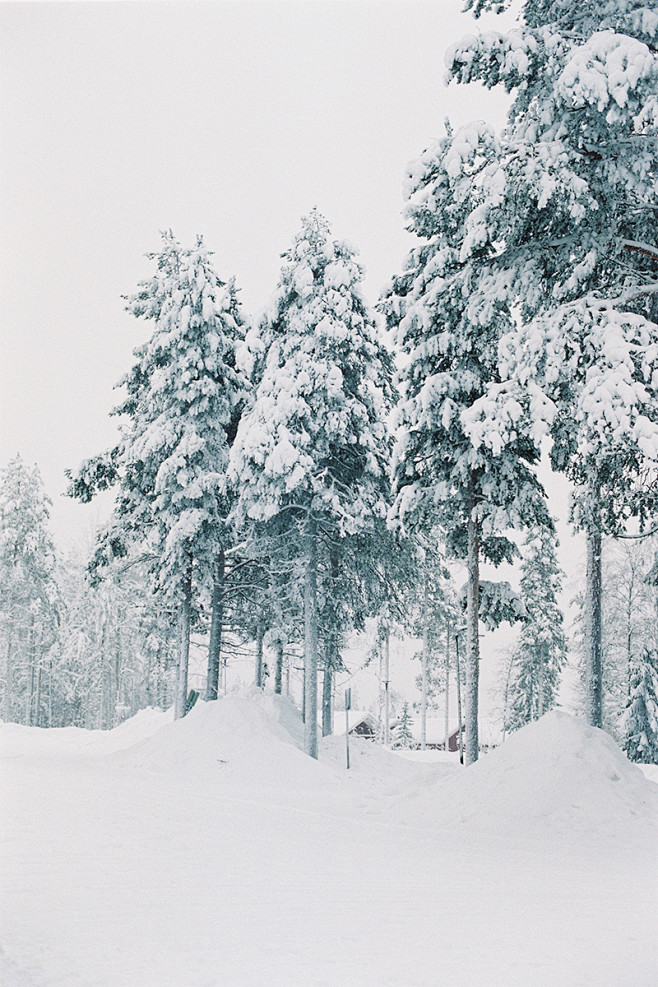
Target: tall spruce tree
<point x="572" y="213"/>
<point x="474" y="491"/>
<point x="312" y="449"/>
<point x="541" y="652"/>
<point x="639" y="726"/>
<point x="184" y="396"/>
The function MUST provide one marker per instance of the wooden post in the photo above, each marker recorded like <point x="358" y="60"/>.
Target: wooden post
<point x="348" y="706"/>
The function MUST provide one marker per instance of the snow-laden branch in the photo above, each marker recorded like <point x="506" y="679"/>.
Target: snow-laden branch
<point x="647" y="249"/>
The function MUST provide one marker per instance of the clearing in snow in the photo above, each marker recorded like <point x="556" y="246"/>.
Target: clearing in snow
<point x="212" y="851"/>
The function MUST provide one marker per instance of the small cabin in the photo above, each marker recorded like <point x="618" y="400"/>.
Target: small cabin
<point x="361" y="724"/>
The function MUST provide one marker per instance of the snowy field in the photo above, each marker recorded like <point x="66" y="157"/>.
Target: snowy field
<point x="212" y="851"/>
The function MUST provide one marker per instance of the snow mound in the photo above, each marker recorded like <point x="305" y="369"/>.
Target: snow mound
<point x="249" y="738"/>
<point x="16" y="739"/>
<point x="557" y="771"/>
<point x="371" y="764"/>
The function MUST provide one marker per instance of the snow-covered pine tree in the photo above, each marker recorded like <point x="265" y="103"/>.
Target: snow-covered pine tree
<point x="184" y="396"/>
<point x="639" y="725"/>
<point x="402" y="735"/>
<point x="313" y="448"/>
<point x="541" y="651"/>
<point x="474" y="492"/>
<point x="29" y="597"/>
<point x="571" y="208"/>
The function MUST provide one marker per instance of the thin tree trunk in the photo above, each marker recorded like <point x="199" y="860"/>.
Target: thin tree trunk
<point x="37" y="699"/>
<point x="332" y="659"/>
<point x="629" y="632"/>
<point x="30" y="677"/>
<point x="472" y="643"/>
<point x="102" y="681"/>
<point x="258" y="670"/>
<point x="327" y="690"/>
<point x="387" y="669"/>
<point x="216" y="621"/>
<point x="593" y="623"/>
<point x="311" y="642"/>
<point x="541" y="703"/>
<point x="447" y="717"/>
<point x="458" y="676"/>
<point x="50" y="693"/>
<point x="425" y="663"/>
<point x="184" y="651"/>
<point x="160" y="678"/>
<point x="278" y="669"/>
<point x="7" y="704"/>
<point x="116" y="673"/>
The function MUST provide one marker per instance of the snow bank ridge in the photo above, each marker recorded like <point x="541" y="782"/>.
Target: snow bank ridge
<point x="557" y="771"/>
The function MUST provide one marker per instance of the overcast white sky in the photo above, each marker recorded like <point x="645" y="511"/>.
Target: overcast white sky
<point x="226" y="119"/>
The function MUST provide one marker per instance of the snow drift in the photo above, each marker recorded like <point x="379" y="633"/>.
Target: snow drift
<point x="18" y="739"/>
<point x="556" y="772"/>
<point x="244" y="739"/>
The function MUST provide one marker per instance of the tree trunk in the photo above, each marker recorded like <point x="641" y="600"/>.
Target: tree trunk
<point x="387" y="669"/>
<point x="311" y="642"/>
<point x="447" y="717"/>
<point x="37" y="698"/>
<point x="629" y="633"/>
<point x="7" y="702"/>
<point x="184" y="652"/>
<point x="472" y="642"/>
<point x="593" y="622"/>
<point x="50" y="693"/>
<point x="278" y="669"/>
<point x="541" y="698"/>
<point x="425" y="663"/>
<point x="259" y="680"/>
<point x="458" y="676"/>
<point x="102" y="680"/>
<point x="216" y="621"/>
<point x="327" y="691"/>
<point x="30" y="677"/>
<point x="116" y="673"/>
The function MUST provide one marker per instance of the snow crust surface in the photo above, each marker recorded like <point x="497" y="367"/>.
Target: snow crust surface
<point x="212" y="851"/>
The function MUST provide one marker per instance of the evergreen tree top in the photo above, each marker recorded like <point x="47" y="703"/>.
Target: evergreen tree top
<point x="567" y="197"/>
<point x="316" y="434"/>
<point x="184" y="397"/>
<point x="27" y="550"/>
<point x="450" y="329"/>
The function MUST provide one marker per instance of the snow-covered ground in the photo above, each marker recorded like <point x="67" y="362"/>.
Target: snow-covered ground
<point x="212" y="852"/>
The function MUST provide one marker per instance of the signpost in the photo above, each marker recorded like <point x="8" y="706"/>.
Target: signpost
<point x="348" y="706"/>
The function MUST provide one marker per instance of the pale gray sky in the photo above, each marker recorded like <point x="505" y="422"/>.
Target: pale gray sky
<point x="226" y="119"/>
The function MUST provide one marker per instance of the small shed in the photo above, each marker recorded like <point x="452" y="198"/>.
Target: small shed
<point x="361" y="724"/>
